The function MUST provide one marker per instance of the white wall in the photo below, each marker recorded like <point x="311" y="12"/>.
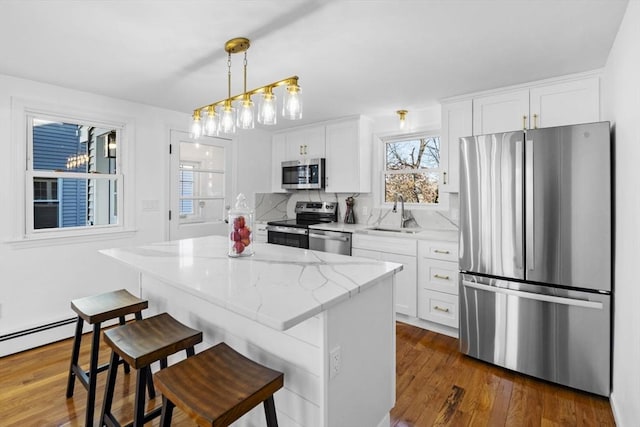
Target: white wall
<point x="38" y="282"/>
<point x="253" y="163"/>
<point x="621" y="106"/>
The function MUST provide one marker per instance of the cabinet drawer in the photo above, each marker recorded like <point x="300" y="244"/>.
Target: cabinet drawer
<point x="441" y="276"/>
<point x="394" y="245"/>
<point x="438" y="307"/>
<point x="445" y="251"/>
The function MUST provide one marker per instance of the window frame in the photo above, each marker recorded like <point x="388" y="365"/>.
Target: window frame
<point x="23" y="111"/>
<point x="443" y="197"/>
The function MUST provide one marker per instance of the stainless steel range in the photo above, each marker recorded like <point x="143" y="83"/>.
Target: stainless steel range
<point x="295" y="232"/>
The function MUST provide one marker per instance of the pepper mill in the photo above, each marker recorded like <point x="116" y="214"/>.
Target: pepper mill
<point x="349" y="215"/>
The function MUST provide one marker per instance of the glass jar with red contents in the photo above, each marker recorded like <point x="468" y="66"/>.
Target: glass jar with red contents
<point x="240" y="229"/>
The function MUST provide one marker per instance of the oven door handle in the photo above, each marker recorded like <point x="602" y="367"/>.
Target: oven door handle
<point x="289" y="230"/>
<point x="325" y="237"/>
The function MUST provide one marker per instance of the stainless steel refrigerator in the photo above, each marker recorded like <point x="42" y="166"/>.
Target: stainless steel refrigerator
<point x="535" y="253"/>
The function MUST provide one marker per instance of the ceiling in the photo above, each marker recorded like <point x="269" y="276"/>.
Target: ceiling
<point x="353" y="57"/>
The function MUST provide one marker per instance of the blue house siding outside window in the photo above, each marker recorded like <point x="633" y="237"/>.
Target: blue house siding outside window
<point x="58" y="202"/>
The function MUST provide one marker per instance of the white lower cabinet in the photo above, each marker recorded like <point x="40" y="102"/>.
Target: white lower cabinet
<point x="439" y="307"/>
<point x="260" y="233"/>
<point x="438" y="282"/>
<point x="427" y="287"/>
<point x="400" y="250"/>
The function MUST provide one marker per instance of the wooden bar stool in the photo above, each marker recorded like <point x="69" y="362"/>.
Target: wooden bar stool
<point x="218" y="386"/>
<point x="94" y="310"/>
<point x="140" y="344"/>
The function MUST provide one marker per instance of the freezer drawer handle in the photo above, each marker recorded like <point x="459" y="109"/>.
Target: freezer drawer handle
<point x="440" y="276"/>
<point x="325" y="237"/>
<point x="539" y="297"/>
<point x="437" y="307"/>
<point x="439" y="251"/>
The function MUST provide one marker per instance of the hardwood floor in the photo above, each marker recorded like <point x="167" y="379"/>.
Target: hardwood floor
<point x="436" y="385"/>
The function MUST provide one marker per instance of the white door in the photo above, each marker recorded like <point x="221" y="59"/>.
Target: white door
<point x="200" y="185"/>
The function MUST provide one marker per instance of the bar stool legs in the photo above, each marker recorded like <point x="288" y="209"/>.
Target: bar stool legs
<point x="95" y="310"/>
<point x="140" y="344"/>
<point x="270" y="412"/>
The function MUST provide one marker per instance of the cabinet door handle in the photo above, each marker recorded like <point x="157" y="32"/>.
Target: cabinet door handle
<point x="305" y="149"/>
<point x="443" y="309"/>
<point x="440" y="276"/>
<point x="444" y="178"/>
<point x="524" y="122"/>
<point x="440" y="251"/>
<point x="535" y="121"/>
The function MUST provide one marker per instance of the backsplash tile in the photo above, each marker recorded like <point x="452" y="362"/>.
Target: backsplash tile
<point x="270" y="206"/>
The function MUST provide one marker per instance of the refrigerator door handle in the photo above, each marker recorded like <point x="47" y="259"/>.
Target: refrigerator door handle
<point x="528" y="191"/>
<point x="519" y="238"/>
<point x="540" y="297"/>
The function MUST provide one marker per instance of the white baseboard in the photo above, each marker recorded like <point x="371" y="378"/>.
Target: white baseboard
<point x="44" y="337"/>
<point x="616" y="416"/>
<point x="385" y="422"/>
<point x="425" y="324"/>
<point x="37" y="339"/>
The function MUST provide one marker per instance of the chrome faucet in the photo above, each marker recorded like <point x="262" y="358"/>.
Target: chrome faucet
<point x="403" y="219"/>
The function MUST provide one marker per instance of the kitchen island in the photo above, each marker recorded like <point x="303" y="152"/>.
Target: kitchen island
<point x="327" y="321"/>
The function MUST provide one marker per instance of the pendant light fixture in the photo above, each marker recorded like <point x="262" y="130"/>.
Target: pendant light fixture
<point x="223" y="117"/>
<point x="403" y="119"/>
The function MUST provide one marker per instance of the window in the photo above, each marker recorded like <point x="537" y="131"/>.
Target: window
<point x="201" y="185"/>
<point x="45" y="203"/>
<point x="72" y="176"/>
<point x="186" y="190"/>
<point x="412" y="169"/>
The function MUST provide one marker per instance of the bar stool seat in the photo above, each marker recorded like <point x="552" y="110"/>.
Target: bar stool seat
<point x="218" y="386"/>
<point x="95" y="310"/>
<point x="140" y="344"/>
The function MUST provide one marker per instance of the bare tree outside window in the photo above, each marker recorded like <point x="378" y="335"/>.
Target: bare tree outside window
<point x="412" y="169"/>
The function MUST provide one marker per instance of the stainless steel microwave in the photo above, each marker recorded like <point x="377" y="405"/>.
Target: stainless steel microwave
<point x="303" y="174"/>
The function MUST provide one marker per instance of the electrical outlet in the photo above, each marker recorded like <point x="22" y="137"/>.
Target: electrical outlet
<point x="365" y="211"/>
<point x="335" y="360"/>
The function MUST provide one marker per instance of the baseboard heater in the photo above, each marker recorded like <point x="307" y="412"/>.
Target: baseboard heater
<point x="37" y="329"/>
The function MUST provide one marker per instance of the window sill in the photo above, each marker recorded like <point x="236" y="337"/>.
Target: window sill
<point x="36" y="241"/>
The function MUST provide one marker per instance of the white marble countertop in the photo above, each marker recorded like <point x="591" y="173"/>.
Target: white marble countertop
<point x="279" y="286"/>
<point x="420" y="233"/>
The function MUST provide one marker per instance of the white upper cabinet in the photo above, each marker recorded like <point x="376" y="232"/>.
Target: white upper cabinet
<point x="345" y="144"/>
<point x="456" y="122"/>
<point x="305" y="143"/>
<point x="546" y="105"/>
<point x="566" y="103"/>
<point x="348" y="149"/>
<point x="502" y="112"/>
<point x="572" y="100"/>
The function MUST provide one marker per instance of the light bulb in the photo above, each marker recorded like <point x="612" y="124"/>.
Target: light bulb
<point x="267" y="109"/>
<point x="292" y="107"/>
<point x="196" y="128"/>
<point x="211" y="125"/>
<point x="227" y="120"/>
<point x="402" y="124"/>
<point x="245" y="115"/>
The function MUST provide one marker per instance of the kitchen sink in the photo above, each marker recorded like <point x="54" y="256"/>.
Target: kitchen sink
<point x="395" y="230"/>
